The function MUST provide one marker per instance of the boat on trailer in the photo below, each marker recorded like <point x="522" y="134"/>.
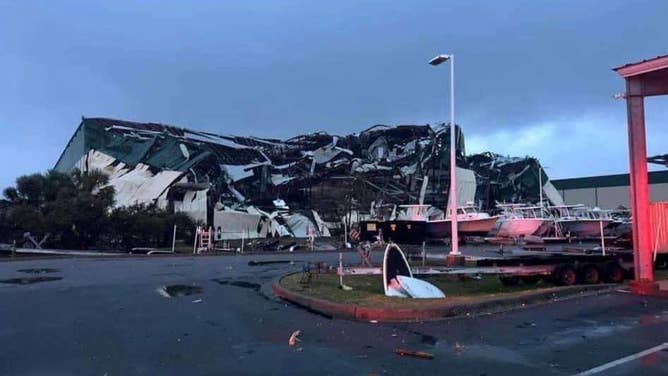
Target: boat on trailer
<point x="519" y="220"/>
<point x="621" y="223"/>
<point x="470" y="222"/>
<point x="580" y="220"/>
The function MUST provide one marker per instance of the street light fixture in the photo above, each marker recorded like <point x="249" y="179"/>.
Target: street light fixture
<point x="454" y="251"/>
<point x="439" y="59"/>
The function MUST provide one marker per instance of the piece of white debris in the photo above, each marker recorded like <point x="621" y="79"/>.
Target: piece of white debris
<point x="294" y="338"/>
<point x="163" y="292"/>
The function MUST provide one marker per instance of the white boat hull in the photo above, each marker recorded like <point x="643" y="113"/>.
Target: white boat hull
<point x="545" y="229"/>
<point x="481" y="226"/>
<point x="443" y="228"/>
<point x="583" y="227"/>
<point x="516" y="227"/>
<point x="419" y="289"/>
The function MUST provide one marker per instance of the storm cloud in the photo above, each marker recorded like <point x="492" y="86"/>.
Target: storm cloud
<point x="533" y="77"/>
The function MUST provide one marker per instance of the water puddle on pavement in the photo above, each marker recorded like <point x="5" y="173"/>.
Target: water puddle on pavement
<point x="580" y="333"/>
<point x="242" y="284"/>
<point x="428" y="340"/>
<point x="495" y="353"/>
<point x="178" y="265"/>
<point x="424" y="338"/>
<point x="269" y="262"/>
<point x="173" y="291"/>
<point x="168" y="274"/>
<point x="39" y="270"/>
<point x="28" y="280"/>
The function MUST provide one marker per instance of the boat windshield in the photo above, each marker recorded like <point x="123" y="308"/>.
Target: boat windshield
<point x="413" y="212"/>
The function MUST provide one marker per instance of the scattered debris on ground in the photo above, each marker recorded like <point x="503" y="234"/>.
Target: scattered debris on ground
<point x="242" y="284"/>
<point x="269" y="262"/>
<point x="294" y="338"/>
<point x="414" y="354"/>
<point x="39" y="270"/>
<point x="29" y="280"/>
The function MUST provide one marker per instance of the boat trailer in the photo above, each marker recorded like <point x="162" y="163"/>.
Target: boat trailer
<point x="562" y="268"/>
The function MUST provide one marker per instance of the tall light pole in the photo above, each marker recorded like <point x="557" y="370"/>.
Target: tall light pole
<point x="454" y="251"/>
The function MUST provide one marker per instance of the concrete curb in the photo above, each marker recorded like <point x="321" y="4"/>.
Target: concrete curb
<point x="444" y="311"/>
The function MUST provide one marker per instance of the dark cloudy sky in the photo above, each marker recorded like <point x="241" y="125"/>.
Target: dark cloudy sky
<point x="533" y="77"/>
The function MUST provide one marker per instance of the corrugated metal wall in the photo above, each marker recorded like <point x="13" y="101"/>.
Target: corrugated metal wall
<point x="658" y="212"/>
<point x="610" y="197"/>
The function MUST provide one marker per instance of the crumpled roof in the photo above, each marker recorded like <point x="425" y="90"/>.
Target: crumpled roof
<point x="309" y="171"/>
<point x="507" y="179"/>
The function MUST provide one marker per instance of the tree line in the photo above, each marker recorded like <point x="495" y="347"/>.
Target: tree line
<point x="77" y="211"/>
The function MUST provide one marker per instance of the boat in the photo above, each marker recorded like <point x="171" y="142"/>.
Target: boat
<point x="580" y="220"/>
<point x="470" y="222"/>
<point x="621" y="223"/>
<point x="398" y="280"/>
<point x="412" y="212"/>
<point x="419" y="289"/>
<point x="394" y="264"/>
<point x="520" y="220"/>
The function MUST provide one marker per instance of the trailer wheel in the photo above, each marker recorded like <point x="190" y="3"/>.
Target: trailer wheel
<point x="565" y="275"/>
<point x="590" y="274"/>
<point x="509" y="280"/>
<point x="614" y="273"/>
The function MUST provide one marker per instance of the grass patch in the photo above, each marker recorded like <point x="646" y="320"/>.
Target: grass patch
<point x="368" y="290"/>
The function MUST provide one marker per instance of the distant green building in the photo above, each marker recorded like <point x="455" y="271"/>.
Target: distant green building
<point x="609" y="191"/>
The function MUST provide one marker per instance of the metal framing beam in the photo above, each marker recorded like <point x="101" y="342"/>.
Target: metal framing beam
<point x="659" y="159"/>
<point x="642" y="244"/>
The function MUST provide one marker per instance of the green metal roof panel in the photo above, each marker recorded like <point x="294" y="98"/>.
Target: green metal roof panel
<point x="73" y="151"/>
<point x="166" y="153"/>
<point x="130" y="149"/>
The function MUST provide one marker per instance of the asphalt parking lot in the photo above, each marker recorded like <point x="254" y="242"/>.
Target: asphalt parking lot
<point x="111" y="316"/>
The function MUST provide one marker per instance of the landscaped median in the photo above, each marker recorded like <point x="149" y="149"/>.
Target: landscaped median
<point x="366" y="300"/>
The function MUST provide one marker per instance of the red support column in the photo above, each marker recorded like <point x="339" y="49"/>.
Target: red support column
<point x="642" y="242"/>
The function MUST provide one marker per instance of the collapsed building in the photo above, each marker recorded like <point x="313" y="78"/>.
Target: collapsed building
<point x="258" y="187"/>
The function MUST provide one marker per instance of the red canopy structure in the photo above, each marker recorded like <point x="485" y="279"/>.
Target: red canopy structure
<point x="643" y="79"/>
